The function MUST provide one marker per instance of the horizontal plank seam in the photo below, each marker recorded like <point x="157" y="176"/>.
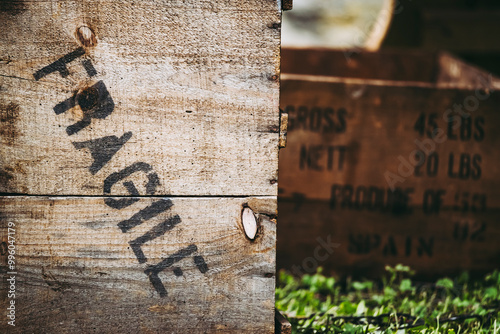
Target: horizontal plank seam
<point x="140" y="196"/>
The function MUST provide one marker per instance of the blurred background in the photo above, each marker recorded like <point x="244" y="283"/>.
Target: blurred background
<point x="392" y="140"/>
<point x="468" y="28"/>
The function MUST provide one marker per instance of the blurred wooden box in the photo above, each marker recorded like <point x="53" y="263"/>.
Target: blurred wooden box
<point x="391" y="158"/>
<point x="132" y="136"/>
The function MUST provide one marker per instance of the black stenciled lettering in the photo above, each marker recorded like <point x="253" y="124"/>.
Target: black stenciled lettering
<point x="374" y="198"/>
<point x="425" y="246"/>
<point x="363" y="243"/>
<point x="432" y="164"/>
<point x="60" y="65"/>
<point x="340" y="157"/>
<point x="433" y="200"/>
<point x="153" y="270"/>
<point x="390" y="247"/>
<point x="94" y="101"/>
<point x="451" y="135"/>
<point x="152" y="234"/>
<point x="476" y="167"/>
<point x="419" y="125"/>
<point x="103" y="149"/>
<point x="303" y="157"/>
<point x="145" y="214"/>
<point x="87" y="65"/>
<point x="417" y="172"/>
<point x="478" y="232"/>
<point x="360" y="197"/>
<point x="200" y="263"/>
<point x="341" y="115"/>
<point x="314" y="157"/>
<point x="333" y="195"/>
<point x="315" y="119"/>
<point x="466" y="129"/>
<point x="178" y="271"/>
<point x="408" y="246"/>
<point x="301" y="118"/>
<point x="347" y="196"/>
<point x="464" y="166"/>
<point x="451" y="163"/>
<point x="479" y="123"/>
<point x="400" y="200"/>
<point x="330" y="124"/>
<point x="112" y="179"/>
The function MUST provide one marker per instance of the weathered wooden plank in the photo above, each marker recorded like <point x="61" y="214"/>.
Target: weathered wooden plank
<point x="397" y="66"/>
<point x="391" y="172"/>
<point x="140" y="100"/>
<point x="188" y="87"/>
<point x="76" y="271"/>
<point x="383" y="65"/>
<point x="360" y="243"/>
<point x="342" y="133"/>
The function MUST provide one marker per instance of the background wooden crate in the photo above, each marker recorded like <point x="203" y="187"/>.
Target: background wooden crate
<point x="132" y="136"/>
<point x="349" y="177"/>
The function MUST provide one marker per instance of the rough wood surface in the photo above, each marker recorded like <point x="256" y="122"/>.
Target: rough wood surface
<point x="110" y="106"/>
<point x="195" y="82"/>
<point x="351" y="172"/>
<point x="77" y="273"/>
<point x="363" y="242"/>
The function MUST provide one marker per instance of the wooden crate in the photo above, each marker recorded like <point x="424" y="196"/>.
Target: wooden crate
<point x="133" y="136"/>
<point x="380" y="169"/>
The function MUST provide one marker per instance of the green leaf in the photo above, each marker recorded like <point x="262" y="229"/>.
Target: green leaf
<point x="491" y="292"/>
<point x="445" y="283"/>
<point x="405" y="285"/>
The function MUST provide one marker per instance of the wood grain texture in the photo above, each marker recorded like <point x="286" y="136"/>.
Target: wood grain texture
<point x="76" y="272"/>
<point x="111" y="106"/>
<point x="196" y="82"/>
<point x="351" y="171"/>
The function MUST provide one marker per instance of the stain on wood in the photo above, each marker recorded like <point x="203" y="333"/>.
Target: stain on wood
<point x="12" y="7"/>
<point x="9" y="114"/>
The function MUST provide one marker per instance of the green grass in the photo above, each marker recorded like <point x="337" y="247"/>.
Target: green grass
<point x="319" y="304"/>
